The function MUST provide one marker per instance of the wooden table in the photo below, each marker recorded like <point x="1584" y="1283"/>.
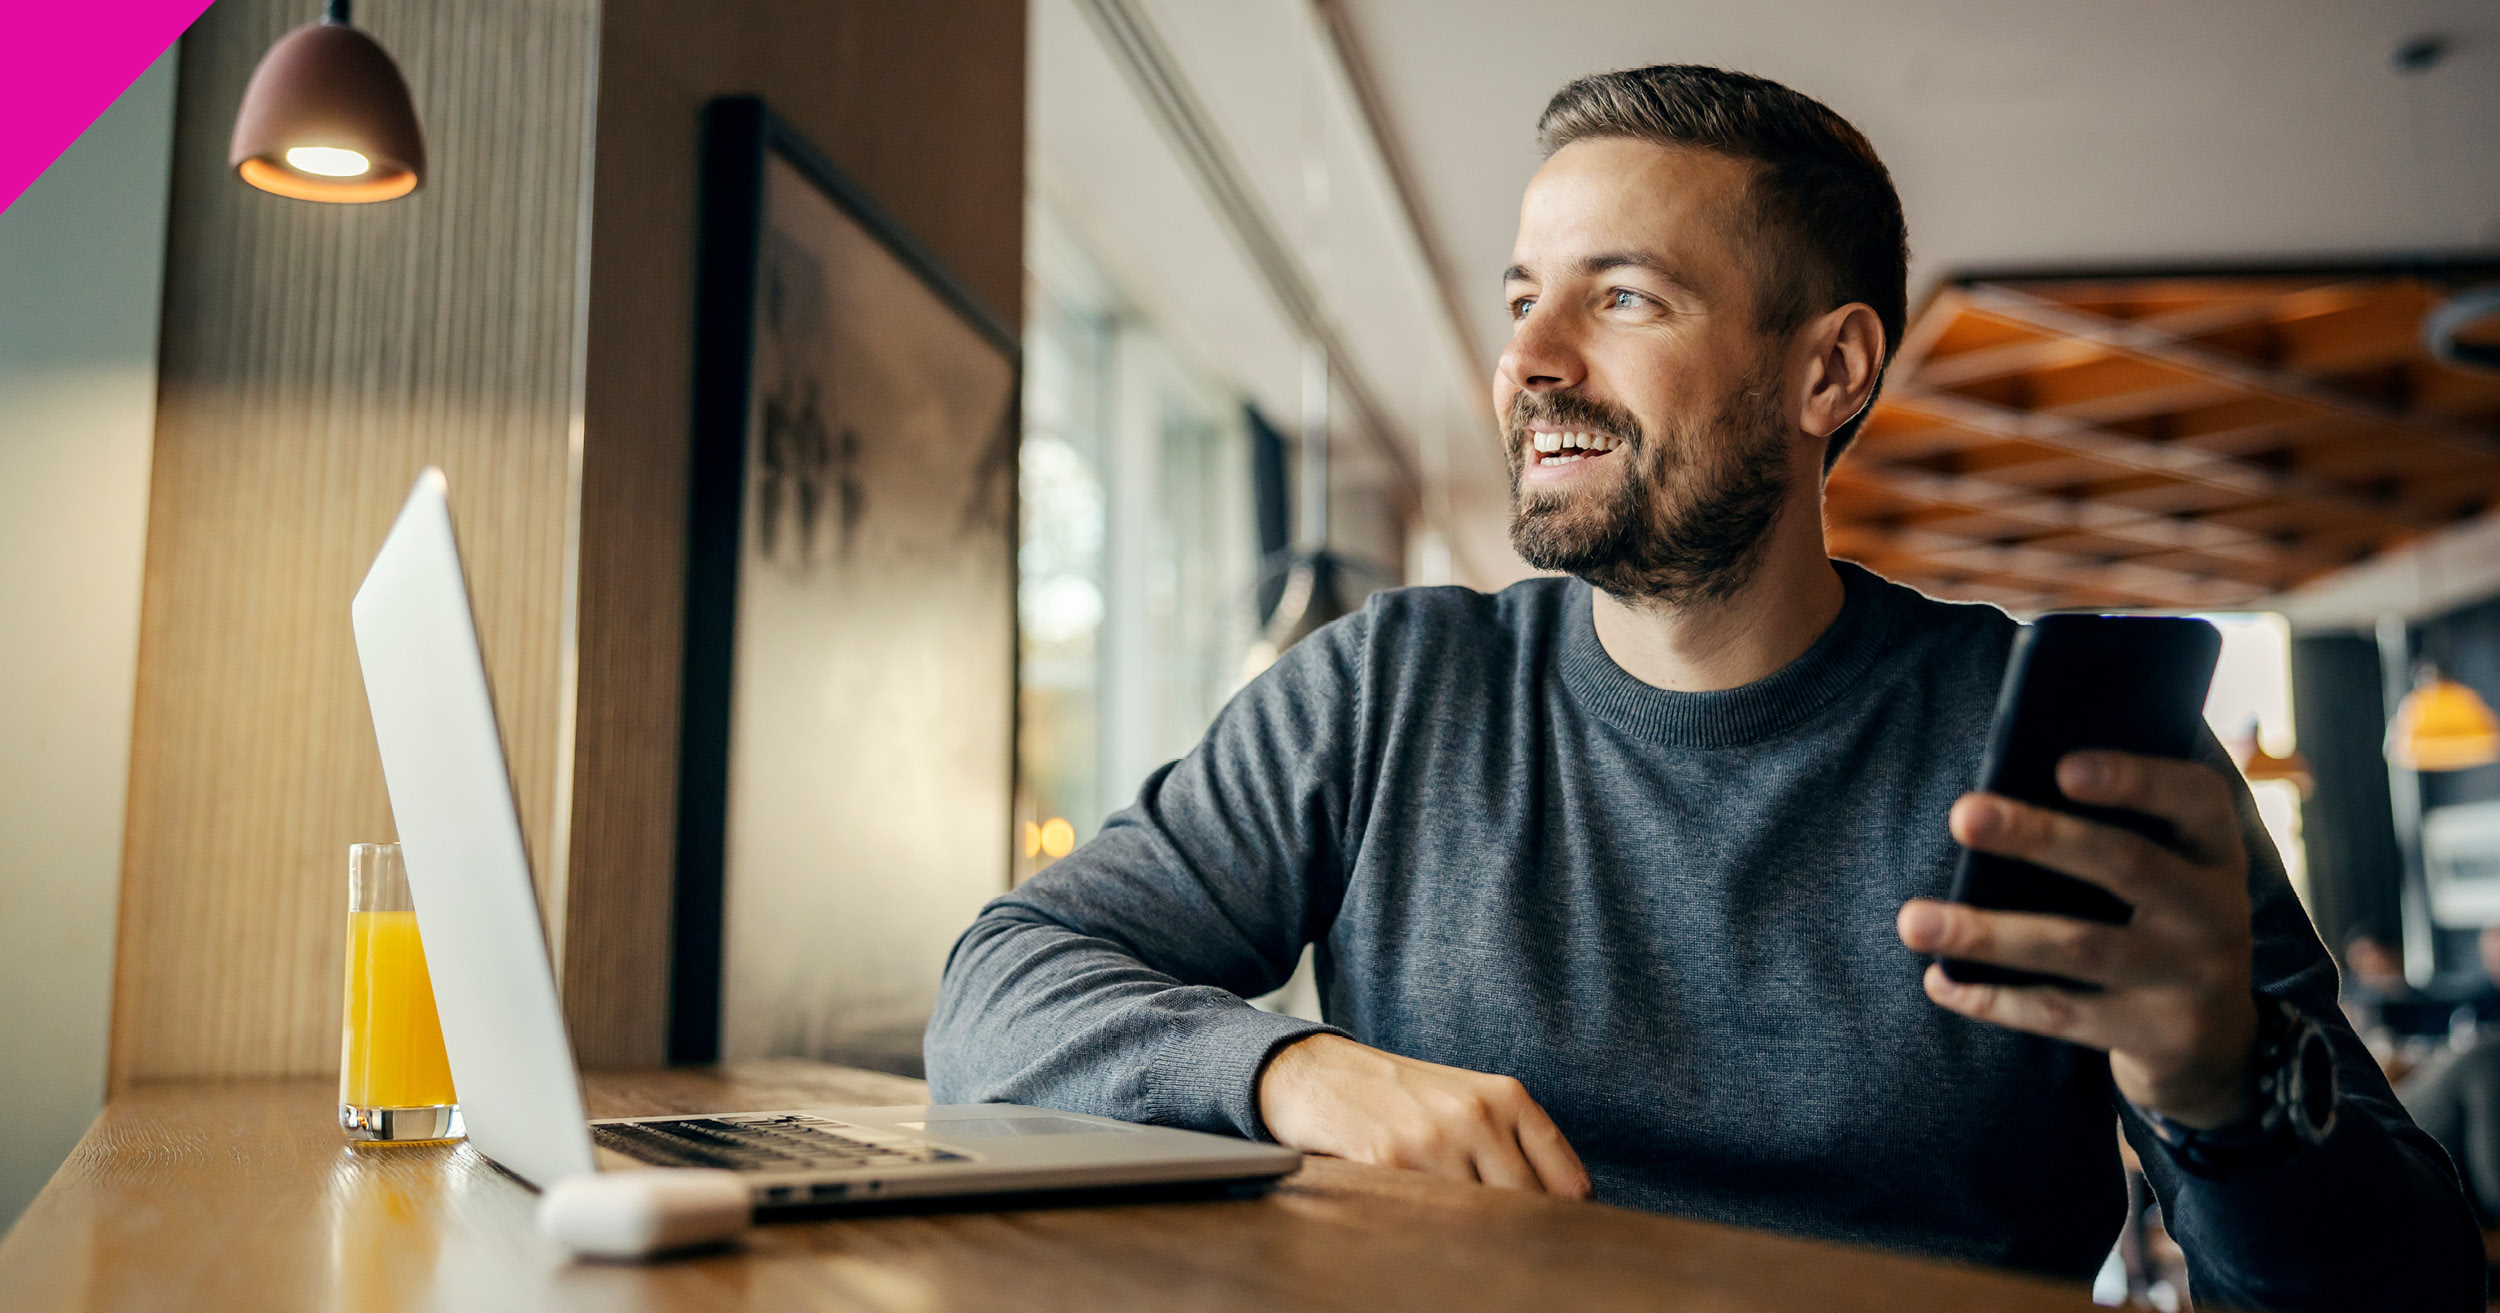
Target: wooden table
<point x="243" y="1196"/>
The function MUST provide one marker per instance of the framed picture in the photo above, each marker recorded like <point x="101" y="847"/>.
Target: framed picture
<point x="849" y="711"/>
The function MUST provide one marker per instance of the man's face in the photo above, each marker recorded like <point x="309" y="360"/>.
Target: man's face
<point x="1650" y="449"/>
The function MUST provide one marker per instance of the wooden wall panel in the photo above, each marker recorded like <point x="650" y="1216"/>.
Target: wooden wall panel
<point x="923" y="105"/>
<point x="314" y="358"/>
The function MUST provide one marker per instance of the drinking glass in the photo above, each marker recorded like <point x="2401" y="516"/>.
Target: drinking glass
<point x="394" y="1080"/>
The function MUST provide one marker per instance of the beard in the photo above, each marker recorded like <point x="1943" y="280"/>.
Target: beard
<point x="1688" y="512"/>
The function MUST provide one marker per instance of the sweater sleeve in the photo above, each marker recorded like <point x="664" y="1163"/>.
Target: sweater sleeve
<point x="1114" y="982"/>
<point x="2371" y="1218"/>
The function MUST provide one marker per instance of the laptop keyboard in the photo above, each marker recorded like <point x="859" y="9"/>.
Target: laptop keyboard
<point x="779" y="1143"/>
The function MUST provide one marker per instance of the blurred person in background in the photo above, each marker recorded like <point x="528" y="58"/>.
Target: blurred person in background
<point x="2485" y="998"/>
<point x="2376" y="971"/>
<point x="2407" y="1028"/>
<point x="1623" y="881"/>
<point x="2400" y="1024"/>
<point x="2455" y="1094"/>
<point x="2456" y="1098"/>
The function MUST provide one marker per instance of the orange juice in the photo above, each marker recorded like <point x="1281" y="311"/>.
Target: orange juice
<point x="394" y="1043"/>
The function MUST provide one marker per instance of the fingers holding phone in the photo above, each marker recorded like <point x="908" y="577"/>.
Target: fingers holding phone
<point x="2199" y="875"/>
<point x="2168" y="993"/>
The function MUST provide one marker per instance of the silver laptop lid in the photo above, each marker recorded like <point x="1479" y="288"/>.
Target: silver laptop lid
<point x="468" y="871"/>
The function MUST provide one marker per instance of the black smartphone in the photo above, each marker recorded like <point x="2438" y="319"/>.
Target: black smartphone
<point x="2126" y="683"/>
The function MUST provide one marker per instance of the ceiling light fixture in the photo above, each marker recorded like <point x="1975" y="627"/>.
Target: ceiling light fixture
<point x="2450" y="329"/>
<point x="327" y="117"/>
<point x="2442" y="725"/>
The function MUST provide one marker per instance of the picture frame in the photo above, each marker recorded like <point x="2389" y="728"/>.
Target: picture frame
<point x="847" y="753"/>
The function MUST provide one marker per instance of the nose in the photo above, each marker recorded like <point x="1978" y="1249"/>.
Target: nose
<point x="1543" y="354"/>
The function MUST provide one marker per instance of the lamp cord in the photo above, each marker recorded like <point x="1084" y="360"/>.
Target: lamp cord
<point x="335" y="11"/>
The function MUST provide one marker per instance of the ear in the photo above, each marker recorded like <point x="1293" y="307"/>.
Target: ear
<point x="1838" y="357"/>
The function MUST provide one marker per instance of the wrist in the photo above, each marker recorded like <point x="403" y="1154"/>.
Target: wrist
<point x="1287" y="1076"/>
<point x="2215" y="1091"/>
<point x="1294" y="1058"/>
<point x="2289" y="1098"/>
<point x="2210" y="1104"/>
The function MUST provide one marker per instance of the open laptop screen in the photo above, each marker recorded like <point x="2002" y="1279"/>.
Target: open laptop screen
<point x="468" y="871"/>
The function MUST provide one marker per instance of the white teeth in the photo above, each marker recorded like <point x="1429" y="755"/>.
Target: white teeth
<point x="1551" y="443"/>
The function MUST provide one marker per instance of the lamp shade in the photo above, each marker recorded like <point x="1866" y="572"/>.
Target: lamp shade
<point x="327" y="117"/>
<point x="2443" y="725"/>
<point x="2464" y="330"/>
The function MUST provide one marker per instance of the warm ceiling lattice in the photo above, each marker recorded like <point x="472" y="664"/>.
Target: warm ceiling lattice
<point x="2166" y="439"/>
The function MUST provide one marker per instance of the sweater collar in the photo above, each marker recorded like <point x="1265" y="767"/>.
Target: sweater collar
<point x="1722" y="718"/>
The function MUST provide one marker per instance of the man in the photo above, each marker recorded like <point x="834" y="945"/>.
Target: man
<point x="1623" y="883"/>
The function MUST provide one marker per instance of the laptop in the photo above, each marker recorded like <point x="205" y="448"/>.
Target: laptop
<point x="520" y="1093"/>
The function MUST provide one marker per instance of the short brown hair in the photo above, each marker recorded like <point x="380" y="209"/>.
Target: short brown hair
<point x="1823" y="203"/>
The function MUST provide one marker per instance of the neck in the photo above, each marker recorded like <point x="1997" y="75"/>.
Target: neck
<point x="1793" y="595"/>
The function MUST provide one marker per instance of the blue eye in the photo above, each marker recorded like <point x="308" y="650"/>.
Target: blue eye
<point x="1519" y="308"/>
<point x="1621" y="299"/>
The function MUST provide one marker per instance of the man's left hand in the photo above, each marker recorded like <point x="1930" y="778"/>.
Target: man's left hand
<point x="2174" y="1009"/>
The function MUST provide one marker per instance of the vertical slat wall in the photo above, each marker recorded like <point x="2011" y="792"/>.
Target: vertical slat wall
<point x="923" y="105"/>
<point x="314" y="358"/>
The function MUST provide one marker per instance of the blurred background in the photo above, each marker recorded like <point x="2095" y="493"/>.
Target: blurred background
<point x="2173" y="267"/>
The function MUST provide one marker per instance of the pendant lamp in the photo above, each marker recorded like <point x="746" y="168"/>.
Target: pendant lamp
<point x="1315" y="579"/>
<point x="327" y="117"/>
<point x="2442" y="725"/>
<point x="2464" y="330"/>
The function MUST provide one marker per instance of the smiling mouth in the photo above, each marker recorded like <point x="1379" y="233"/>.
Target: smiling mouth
<point x="1565" y="448"/>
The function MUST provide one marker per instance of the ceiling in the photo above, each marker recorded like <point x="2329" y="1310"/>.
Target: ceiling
<point x="2166" y="439"/>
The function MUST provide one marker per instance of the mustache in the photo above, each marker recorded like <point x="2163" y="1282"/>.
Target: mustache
<point x="1574" y="411"/>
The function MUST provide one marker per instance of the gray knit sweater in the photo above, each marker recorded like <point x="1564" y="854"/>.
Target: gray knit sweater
<point x="1671" y="916"/>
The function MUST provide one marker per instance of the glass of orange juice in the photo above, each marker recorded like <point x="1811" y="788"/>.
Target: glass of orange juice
<point x="394" y="1080"/>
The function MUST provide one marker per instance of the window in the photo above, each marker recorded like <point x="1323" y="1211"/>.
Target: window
<point x="1059" y="587"/>
<point x="2250" y="710"/>
<point x="1138" y="557"/>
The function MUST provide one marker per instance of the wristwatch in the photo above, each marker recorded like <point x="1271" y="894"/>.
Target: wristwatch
<point x="2292" y="1098"/>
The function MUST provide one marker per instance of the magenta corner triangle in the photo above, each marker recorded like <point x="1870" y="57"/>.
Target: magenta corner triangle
<point x="63" y="63"/>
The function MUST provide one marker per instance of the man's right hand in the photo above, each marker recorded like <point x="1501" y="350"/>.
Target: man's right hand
<point x="1327" y="1094"/>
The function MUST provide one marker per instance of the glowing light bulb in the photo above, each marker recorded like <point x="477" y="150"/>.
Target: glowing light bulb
<point x="328" y="161"/>
<point x="1058" y="837"/>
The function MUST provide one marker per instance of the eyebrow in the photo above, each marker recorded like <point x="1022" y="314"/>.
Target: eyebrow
<point x="1593" y="265"/>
